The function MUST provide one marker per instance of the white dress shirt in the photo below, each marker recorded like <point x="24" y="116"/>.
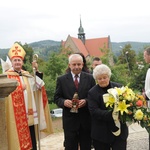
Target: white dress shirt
<point x="147" y="84"/>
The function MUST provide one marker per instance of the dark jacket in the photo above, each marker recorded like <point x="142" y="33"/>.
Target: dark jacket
<point x="102" y="121"/>
<point x="65" y="89"/>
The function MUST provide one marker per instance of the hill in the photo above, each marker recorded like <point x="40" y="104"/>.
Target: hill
<point x="45" y="47"/>
<point x="136" y="46"/>
<point x="42" y="48"/>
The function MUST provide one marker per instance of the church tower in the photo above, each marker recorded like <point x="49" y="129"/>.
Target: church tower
<point x="81" y="34"/>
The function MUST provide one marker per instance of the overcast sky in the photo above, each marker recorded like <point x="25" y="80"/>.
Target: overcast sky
<point x="30" y="21"/>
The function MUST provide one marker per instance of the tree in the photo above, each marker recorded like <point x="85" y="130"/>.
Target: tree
<point x="123" y="70"/>
<point x="107" y="58"/>
<point x="139" y="72"/>
<point x="28" y="58"/>
<point x="55" y="66"/>
<point x="128" y="57"/>
<point x="120" y="74"/>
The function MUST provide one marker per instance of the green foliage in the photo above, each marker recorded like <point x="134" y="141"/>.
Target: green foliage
<point x="130" y="68"/>
<point x="128" y="56"/>
<point x="137" y="46"/>
<point x="45" y="48"/>
<point x="138" y="77"/>
<point x="50" y="86"/>
<point x="54" y="67"/>
<point x="54" y="63"/>
<point x="107" y="58"/>
<point x="120" y="74"/>
<point x="52" y="106"/>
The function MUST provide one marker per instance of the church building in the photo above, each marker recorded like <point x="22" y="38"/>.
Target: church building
<point x="95" y="47"/>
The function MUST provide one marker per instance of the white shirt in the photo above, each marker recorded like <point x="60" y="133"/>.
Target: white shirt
<point x="73" y="76"/>
<point x="147" y="83"/>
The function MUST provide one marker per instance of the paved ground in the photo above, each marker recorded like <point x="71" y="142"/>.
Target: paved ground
<point x="138" y="140"/>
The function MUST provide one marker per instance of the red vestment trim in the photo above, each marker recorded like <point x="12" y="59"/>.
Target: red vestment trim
<point x="44" y="96"/>
<point x="20" y="116"/>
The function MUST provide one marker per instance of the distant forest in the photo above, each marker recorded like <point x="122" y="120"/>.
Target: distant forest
<point x="44" y="48"/>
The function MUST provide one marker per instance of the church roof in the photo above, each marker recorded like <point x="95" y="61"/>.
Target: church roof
<point x="94" y="45"/>
<point x="81" y="47"/>
<point x="90" y="48"/>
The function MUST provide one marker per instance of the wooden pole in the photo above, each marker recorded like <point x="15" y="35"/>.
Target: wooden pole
<point x="35" y="58"/>
<point x="149" y="141"/>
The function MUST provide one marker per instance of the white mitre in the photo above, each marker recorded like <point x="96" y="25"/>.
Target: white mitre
<point x="6" y="64"/>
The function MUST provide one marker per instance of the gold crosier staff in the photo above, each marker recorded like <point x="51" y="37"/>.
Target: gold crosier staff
<point x="35" y="58"/>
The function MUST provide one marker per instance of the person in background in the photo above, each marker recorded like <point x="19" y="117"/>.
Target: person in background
<point x="96" y="61"/>
<point x="85" y="67"/>
<point x="104" y="130"/>
<point x="21" y="104"/>
<point x="146" y="92"/>
<point x="76" y="125"/>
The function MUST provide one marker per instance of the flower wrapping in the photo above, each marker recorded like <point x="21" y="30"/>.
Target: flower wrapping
<point x="131" y="107"/>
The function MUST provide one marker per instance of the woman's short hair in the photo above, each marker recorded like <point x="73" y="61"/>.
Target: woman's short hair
<point x="100" y="70"/>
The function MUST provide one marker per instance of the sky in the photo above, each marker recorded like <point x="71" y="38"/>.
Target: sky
<point x="30" y="21"/>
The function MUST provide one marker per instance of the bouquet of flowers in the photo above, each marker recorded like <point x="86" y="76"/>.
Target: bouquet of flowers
<point x="131" y="107"/>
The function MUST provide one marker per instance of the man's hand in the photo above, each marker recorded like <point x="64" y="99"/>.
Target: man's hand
<point x="24" y="86"/>
<point x="82" y="103"/>
<point x="35" y="65"/>
<point x="68" y="103"/>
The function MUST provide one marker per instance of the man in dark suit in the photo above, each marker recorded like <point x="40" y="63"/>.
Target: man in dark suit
<point x="77" y="126"/>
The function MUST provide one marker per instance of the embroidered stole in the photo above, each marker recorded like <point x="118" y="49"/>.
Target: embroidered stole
<point x="20" y="115"/>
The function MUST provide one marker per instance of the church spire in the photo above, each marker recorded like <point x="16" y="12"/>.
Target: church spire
<point x="81" y="34"/>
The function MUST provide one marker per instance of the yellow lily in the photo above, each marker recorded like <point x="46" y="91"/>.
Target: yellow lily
<point x="122" y="107"/>
<point x="110" y="101"/>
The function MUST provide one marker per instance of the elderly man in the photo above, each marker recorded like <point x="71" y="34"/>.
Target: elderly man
<point x="22" y="111"/>
<point x="72" y="86"/>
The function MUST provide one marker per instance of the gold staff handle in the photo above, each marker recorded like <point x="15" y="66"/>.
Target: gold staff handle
<point x="35" y="59"/>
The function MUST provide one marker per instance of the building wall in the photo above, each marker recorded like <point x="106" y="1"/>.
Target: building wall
<point x="70" y="44"/>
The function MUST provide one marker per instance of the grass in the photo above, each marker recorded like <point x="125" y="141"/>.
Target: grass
<point x="52" y="106"/>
